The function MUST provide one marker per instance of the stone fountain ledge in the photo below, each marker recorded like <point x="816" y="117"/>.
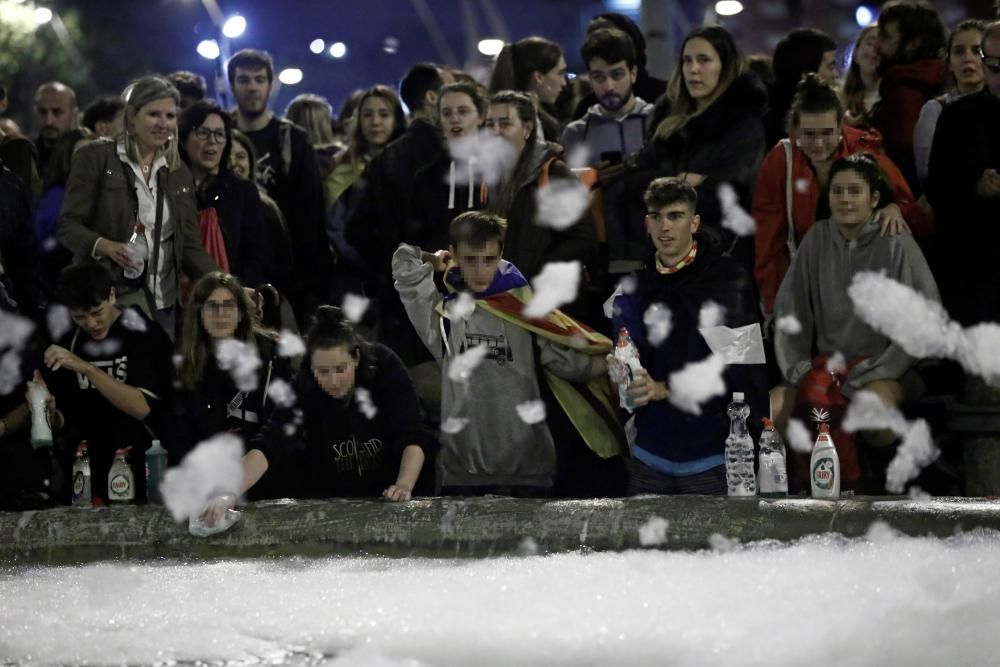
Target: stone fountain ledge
<point x="471" y="527"/>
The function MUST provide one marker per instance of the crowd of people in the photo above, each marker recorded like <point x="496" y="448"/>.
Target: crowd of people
<point x="183" y="238"/>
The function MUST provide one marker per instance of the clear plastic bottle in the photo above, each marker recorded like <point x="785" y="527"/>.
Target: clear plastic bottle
<point x="82" y="490"/>
<point x="121" y="484"/>
<point x="137" y="249"/>
<point x="41" y="432"/>
<point x="772" y="469"/>
<point x="628" y="354"/>
<point x="740" y="477"/>
<point x="824" y="466"/>
<point x="156" y="468"/>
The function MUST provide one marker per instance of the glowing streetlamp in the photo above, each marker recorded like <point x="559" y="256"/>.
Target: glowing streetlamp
<point x="728" y="7"/>
<point x="234" y="26"/>
<point x="490" y="47"/>
<point x="290" y="76"/>
<point x="208" y="48"/>
<point x="317" y="46"/>
<point x="338" y="50"/>
<point x="42" y="15"/>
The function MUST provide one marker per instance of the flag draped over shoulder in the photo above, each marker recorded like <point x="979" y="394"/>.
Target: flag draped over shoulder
<point x="590" y="407"/>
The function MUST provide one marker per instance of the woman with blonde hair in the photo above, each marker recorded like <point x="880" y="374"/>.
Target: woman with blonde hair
<point x="314" y="114"/>
<point x="130" y="205"/>
<point x="860" y="91"/>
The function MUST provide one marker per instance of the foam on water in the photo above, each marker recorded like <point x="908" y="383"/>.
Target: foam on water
<point x="890" y="600"/>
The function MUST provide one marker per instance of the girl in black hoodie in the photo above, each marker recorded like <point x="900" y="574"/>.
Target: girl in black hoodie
<point x="353" y="429"/>
<point x="208" y="400"/>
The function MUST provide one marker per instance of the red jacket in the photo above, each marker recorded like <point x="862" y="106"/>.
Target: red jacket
<point x="904" y="90"/>
<point x="771" y="254"/>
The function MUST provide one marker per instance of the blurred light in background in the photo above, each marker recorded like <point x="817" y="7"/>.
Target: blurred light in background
<point x="491" y="46"/>
<point x="42" y="15"/>
<point x="208" y="48"/>
<point x="290" y="76"/>
<point x="728" y="7"/>
<point x="317" y="46"/>
<point x="338" y="49"/>
<point x="234" y="26"/>
<point x="864" y="16"/>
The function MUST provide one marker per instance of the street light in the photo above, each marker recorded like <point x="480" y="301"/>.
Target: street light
<point x="42" y="15"/>
<point x="234" y="26"/>
<point x="208" y="48"/>
<point x="728" y="7"/>
<point x="338" y="49"/>
<point x="290" y="76"/>
<point x="864" y="16"/>
<point x="490" y="47"/>
<point x="317" y="46"/>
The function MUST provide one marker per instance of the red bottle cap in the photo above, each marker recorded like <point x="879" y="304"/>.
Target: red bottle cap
<point x="824" y="428"/>
<point x="82" y="447"/>
<point x="141" y="228"/>
<point x="767" y="422"/>
<point x="122" y="452"/>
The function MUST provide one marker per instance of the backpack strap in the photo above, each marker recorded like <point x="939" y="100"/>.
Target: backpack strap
<point x="789" y="190"/>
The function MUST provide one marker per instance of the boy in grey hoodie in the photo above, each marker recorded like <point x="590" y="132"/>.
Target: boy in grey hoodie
<point x="493" y="437"/>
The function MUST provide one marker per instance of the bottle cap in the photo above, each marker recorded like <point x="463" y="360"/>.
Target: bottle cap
<point x="767" y="422"/>
<point x="82" y="447"/>
<point x="824" y="428"/>
<point x="737" y="395"/>
<point x="141" y="228"/>
<point x="122" y="452"/>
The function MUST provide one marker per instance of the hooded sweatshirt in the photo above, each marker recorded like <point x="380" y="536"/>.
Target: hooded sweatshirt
<point x="602" y="133"/>
<point x="815" y="292"/>
<point x="772" y="255"/>
<point x="485" y="442"/>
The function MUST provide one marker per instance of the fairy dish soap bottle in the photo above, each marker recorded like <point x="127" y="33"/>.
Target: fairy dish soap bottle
<point x="121" y="484"/>
<point x="824" y="466"/>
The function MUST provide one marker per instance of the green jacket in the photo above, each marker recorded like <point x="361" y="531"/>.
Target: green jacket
<point x="100" y="202"/>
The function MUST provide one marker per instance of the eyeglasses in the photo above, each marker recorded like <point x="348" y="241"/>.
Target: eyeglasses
<point x="203" y="133"/>
<point x="992" y="63"/>
<point x="219" y="307"/>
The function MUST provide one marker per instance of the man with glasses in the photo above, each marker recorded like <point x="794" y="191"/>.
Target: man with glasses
<point x="964" y="187"/>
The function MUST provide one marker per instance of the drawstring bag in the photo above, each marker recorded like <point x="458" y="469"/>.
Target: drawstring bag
<point x="820" y="400"/>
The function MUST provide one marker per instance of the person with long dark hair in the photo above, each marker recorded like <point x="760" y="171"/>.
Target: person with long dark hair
<point x="911" y="43"/>
<point x="529" y="245"/>
<point x="209" y="401"/>
<point x="533" y="65"/>
<point x="379" y="121"/>
<point x="707" y="129"/>
<point x="965" y="69"/>
<point x="355" y="429"/>
<point x="229" y="209"/>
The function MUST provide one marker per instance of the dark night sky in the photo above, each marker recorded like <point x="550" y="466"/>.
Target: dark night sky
<point x="166" y="33"/>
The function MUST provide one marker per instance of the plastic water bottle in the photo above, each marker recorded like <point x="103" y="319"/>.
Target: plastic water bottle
<point x="137" y="250"/>
<point x="772" y="469"/>
<point x="156" y="468"/>
<point x="824" y="466"/>
<point x="740" y="477"/>
<point x="82" y="493"/>
<point x="121" y="484"/>
<point x="41" y="432"/>
<point x="628" y="354"/>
